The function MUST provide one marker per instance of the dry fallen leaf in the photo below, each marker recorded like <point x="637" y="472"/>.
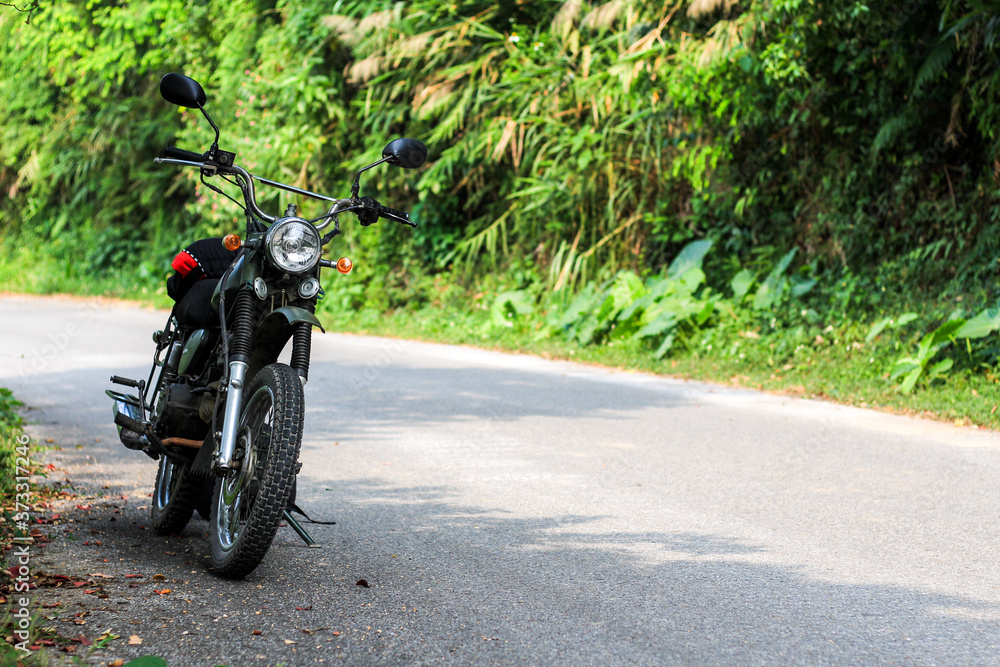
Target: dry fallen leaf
<point x="289" y="641"/>
<point x="256" y="632"/>
<point x="158" y="577"/>
<point x="116" y="663"/>
<point x="134" y="640"/>
<point x="165" y="591"/>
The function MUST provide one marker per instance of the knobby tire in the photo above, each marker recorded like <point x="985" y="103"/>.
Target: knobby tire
<point x="255" y="511"/>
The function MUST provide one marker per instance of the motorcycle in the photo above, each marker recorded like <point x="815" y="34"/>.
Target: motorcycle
<point x="222" y="412"/>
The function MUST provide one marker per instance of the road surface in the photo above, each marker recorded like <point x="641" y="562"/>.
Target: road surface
<point x="509" y="510"/>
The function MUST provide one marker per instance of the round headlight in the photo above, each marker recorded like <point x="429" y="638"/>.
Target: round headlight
<point x="293" y="245"/>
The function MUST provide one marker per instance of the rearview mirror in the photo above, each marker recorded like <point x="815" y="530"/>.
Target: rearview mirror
<point x="182" y="91"/>
<point x="405" y="153"/>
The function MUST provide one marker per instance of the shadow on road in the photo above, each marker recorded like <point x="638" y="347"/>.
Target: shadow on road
<point x="570" y="593"/>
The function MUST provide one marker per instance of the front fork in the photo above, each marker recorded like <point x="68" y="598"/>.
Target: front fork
<point x="242" y="327"/>
<point x="244" y="312"/>
<point x="230" y="422"/>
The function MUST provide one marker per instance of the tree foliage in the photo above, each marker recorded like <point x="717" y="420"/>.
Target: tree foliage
<point x="576" y="138"/>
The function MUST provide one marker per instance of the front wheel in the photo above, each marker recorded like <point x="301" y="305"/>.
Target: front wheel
<point x="174" y="497"/>
<point x="247" y="503"/>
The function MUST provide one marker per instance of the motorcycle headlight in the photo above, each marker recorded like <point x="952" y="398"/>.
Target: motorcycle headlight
<point x="293" y="245"/>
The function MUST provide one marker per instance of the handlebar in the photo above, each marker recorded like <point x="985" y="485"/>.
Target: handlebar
<point x="181" y="157"/>
<point x="181" y="154"/>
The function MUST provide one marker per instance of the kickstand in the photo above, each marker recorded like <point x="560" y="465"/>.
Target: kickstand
<point x="297" y="527"/>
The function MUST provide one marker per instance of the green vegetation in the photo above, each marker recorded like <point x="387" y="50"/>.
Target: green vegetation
<point x="799" y="196"/>
<point x="10" y="431"/>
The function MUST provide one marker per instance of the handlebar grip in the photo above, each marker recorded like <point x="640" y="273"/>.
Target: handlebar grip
<point x="181" y="154"/>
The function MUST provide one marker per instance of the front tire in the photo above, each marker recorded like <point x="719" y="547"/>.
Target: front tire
<point x="175" y="496"/>
<point x="248" y="503"/>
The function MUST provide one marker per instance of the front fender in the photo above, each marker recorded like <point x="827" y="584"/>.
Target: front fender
<point x="273" y="332"/>
<point x="292" y="315"/>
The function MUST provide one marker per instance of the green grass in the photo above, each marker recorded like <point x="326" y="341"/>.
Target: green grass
<point x="838" y="367"/>
<point x="28" y="270"/>
<point x="10" y="430"/>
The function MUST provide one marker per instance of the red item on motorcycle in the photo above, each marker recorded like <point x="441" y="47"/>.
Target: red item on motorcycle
<point x="206" y="258"/>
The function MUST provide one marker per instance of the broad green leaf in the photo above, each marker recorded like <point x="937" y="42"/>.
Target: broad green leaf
<point x="586" y="329"/>
<point x="770" y="291"/>
<point x="662" y="286"/>
<point x="689" y="258"/>
<point x="706" y="310"/>
<point x="147" y="661"/>
<point x="926" y="349"/>
<point x="940" y="368"/>
<point x="902" y="366"/>
<point x="665" y="346"/>
<point x="981" y="325"/>
<point x="946" y="331"/>
<point x="580" y="307"/>
<point x="784" y="262"/>
<point x="908" y="383"/>
<point x="625" y="290"/>
<point x="877" y="328"/>
<point x="513" y="303"/>
<point x="637" y="306"/>
<point x="741" y="284"/>
<point x="663" y="322"/>
<point x="689" y="281"/>
<point x="801" y="286"/>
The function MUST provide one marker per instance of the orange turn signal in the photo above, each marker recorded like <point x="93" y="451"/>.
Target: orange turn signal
<point x="232" y="242"/>
<point x="344" y="265"/>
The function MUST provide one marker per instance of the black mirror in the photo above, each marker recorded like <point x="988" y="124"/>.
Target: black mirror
<point x="405" y="153"/>
<point x="182" y="91"/>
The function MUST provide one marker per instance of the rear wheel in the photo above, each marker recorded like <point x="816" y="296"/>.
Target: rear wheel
<point x="174" y="497"/>
<point x="247" y="504"/>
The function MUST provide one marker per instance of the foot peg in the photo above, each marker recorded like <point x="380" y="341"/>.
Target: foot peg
<point x="125" y="421"/>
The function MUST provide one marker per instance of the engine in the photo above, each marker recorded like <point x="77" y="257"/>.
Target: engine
<point x="178" y="412"/>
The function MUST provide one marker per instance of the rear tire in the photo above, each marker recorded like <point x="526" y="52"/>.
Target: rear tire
<point x="175" y="495"/>
<point x="247" y="504"/>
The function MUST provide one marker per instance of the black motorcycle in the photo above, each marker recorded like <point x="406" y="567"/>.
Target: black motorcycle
<point x="222" y="411"/>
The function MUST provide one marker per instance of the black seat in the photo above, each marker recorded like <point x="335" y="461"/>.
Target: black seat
<point x="195" y="309"/>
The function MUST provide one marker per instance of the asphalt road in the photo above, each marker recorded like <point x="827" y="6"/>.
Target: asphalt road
<point x="512" y="510"/>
